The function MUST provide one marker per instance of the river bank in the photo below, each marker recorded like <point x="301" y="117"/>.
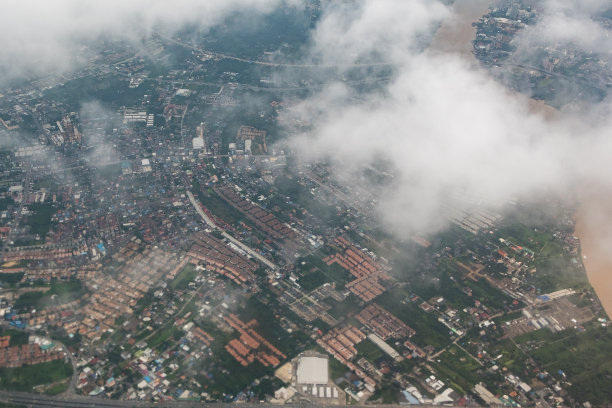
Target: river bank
<point x="456" y="33"/>
<point x="593" y="229"/>
<point x="455" y="36"/>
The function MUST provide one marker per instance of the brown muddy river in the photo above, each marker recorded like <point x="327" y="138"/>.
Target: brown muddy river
<point x="593" y="218"/>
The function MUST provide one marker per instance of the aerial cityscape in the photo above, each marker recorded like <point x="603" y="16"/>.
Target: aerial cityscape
<point x="305" y="203"/>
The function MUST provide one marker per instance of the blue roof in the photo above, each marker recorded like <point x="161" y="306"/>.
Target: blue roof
<point x="147" y="378"/>
<point x="410" y="398"/>
<point x="543" y="297"/>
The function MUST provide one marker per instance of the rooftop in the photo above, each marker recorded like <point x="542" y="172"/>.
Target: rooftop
<point x="312" y="370"/>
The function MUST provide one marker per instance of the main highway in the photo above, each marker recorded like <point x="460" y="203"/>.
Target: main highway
<point x="45" y="401"/>
<point x="267" y="63"/>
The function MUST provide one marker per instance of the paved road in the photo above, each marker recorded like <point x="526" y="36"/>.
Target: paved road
<point x="604" y="86"/>
<point x="75" y="372"/>
<point x="270" y="64"/>
<point x="239" y="244"/>
<point x="35" y="400"/>
<point x="275" y="88"/>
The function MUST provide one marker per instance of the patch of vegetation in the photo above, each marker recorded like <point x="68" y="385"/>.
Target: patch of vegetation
<point x="47" y="182"/>
<point x="40" y="220"/>
<point x="5" y="202"/>
<point x="8" y="405"/>
<point x="336" y="368"/>
<point x="67" y="340"/>
<point x="509" y="316"/>
<point x="575" y="356"/>
<point x="110" y="91"/>
<point x="60" y="292"/>
<point x="57" y="389"/>
<point x="11" y="278"/>
<point x="348" y="306"/>
<point x="369" y="350"/>
<point x="270" y="328"/>
<point x="218" y="206"/>
<point x="388" y="393"/>
<point x="182" y="279"/>
<point x="304" y="198"/>
<point x="162" y="336"/>
<point x="333" y="272"/>
<point x="312" y="280"/>
<point x="487" y="294"/>
<point x="26" y="377"/>
<point x="223" y="374"/>
<point x="283" y="29"/>
<point x="108" y="171"/>
<point x="555" y="269"/>
<point x="17" y="337"/>
<point x="429" y="331"/>
<point x="266" y="387"/>
<point x="458" y="368"/>
<point x="512" y="357"/>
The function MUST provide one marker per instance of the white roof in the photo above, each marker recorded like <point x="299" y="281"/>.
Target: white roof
<point x="197" y="142"/>
<point x="312" y="370"/>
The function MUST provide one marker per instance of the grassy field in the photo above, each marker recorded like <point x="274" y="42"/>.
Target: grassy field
<point x="182" y="279"/>
<point x="388" y="393"/>
<point x="458" y="369"/>
<point x="60" y="292"/>
<point x="5" y="202"/>
<point x="369" y="350"/>
<point x="219" y="207"/>
<point x="225" y="374"/>
<point x="47" y="182"/>
<point x="336" y="369"/>
<point x="428" y="330"/>
<point x="162" y="336"/>
<point x="508" y="317"/>
<point x="7" y="405"/>
<point x="348" y="306"/>
<point x="312" y="280"/>
<point x="303" y="197"/>
<point x="10" y="279"/>
<point x="40" y="221"/>
<point x="586" y="359"/>
<point x="270" y="328"/>
<point x="57" y="388"/>
<point x="334" y="272"/>
<point x="17" y="337"/>
<point x="512" y="357"/>
<point x="554" y="268"/>
<point x="26" y="377"/>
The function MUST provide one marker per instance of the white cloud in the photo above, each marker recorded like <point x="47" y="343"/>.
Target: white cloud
<point x="441" y="125"/>
<point x="38" y="36"/>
